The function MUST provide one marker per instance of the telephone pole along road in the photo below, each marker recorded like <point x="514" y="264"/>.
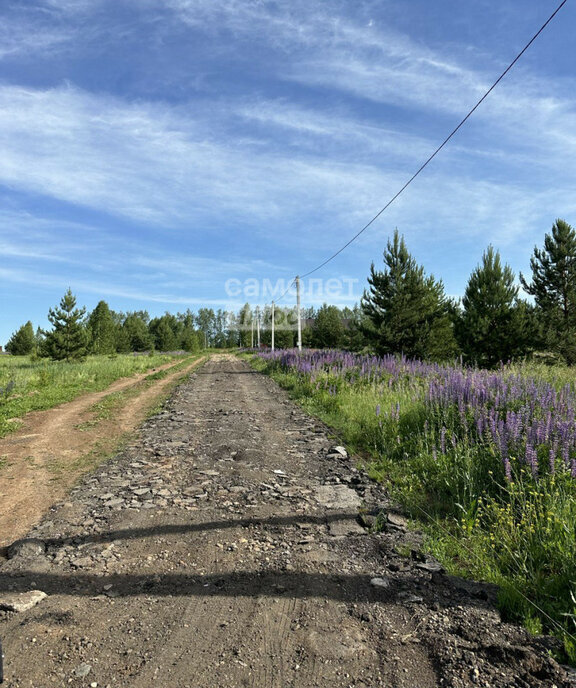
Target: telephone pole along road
<point x="224" y="547"/>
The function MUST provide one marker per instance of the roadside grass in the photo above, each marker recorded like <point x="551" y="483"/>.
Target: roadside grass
<point x="110" y="404"/>
<point x="33" y="385"/>
<point x="106" y="448"/>
<point x="62" y="468"/>
<point x="508" y="523"/>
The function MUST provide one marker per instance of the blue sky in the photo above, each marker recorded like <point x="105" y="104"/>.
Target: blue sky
<point x="153" y="150"/>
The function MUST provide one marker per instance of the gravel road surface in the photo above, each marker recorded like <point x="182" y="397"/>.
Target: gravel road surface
<point x="230" y="545"/>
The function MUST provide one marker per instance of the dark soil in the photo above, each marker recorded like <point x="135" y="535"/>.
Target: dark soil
<point x="227" y="546"/>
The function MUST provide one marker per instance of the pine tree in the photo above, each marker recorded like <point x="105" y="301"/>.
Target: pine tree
<point x="354" y="335"/>
<point x="68" y="339"/>
<point x="102" y="330"/>
<point x="135" y="334"/>
<point x="407" y="311"/>
<point x="327" y="330"/>
<point x="23" y="341"/>
<point x="191" y="341"/>
<point x="492" y="326"/>
<point x="163" y="331"/>
<point x="553" y="287"/>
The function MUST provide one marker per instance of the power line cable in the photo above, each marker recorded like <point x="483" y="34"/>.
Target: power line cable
<point x="441" y="146"/>
<point x="284" y="294"/>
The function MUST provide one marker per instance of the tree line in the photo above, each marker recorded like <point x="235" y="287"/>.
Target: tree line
<point x="403" y="310"/>
<point x="407" y="311"/>
<point x="75" y="334"/>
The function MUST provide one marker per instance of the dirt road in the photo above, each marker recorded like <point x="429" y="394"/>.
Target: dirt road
<point x="52" y="448"/>
<point x="223" y="549"/>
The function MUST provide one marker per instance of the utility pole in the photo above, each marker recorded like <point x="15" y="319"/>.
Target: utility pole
<point x="258" y="324"/>
<point x="251" y="330"/>
<point x="299" y="342"/>
<point x="272" y="325"/>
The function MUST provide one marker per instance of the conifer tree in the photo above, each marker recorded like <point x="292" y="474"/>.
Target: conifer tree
<point x="327" y="330"/>
<point x="191" y="341"/>
<point x="135" y="335"/>
<point x="492" y="327"/>
<point x="68" y="339"/>
<point x="553" y="287"/>
<point x="23" y="341"/>
<point x="406" y="310"/>
<point x="354" y="335"/>
<point x="162" y="330"/>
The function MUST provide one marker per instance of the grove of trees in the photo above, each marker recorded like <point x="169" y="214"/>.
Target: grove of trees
<point x="104" y="331"/>
<point x="403" y="310"/>
<point x="407" y="311"/>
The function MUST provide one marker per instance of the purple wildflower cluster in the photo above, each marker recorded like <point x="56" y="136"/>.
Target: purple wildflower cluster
<point x="519" y="418"/>
<point x="349" y="366"/>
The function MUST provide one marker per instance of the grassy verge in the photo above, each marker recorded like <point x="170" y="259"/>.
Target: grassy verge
<point x="106" y="448"/>
<point x="29" y="385"/>
<point x="485" y="461"/>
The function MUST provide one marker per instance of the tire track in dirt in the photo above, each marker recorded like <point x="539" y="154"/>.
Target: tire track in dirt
<point x="48" y="453"/>
<point x="222" y="549"/>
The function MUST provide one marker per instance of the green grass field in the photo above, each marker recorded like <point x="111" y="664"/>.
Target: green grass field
<point x="32" y="385"/>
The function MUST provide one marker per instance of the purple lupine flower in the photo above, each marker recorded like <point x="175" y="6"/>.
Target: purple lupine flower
<point x="507" y="469"/>
<point x="513" y="413"/>
<point x="552" y="457"/>
<point x="531" y="459"/>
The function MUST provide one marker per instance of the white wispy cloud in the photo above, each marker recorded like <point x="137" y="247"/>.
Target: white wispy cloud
<point x="148" y="163"/>
<point x="16" y="39"/>
<point x="186" y="164"/>
<point x="324" y="47"/>
<point x="105" y="290"/>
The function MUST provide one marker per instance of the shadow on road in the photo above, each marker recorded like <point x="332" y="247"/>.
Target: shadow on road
<point x="344" y="587"/>
<point x="270" y="583"/>
<point x="183" y="528"/>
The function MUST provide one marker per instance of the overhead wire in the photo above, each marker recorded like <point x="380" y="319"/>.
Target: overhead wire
<point x="285" y="292"/>
<point x="389" y="203"/>
<point x="441" y="146"/>
<point x="432" y="156"/>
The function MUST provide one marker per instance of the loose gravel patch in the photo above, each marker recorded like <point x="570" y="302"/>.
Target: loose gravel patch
<point x="231" y="544"/>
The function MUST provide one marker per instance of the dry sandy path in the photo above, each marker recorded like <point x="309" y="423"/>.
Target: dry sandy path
<point x="223" y="549"/>
<point x="52" y="448"/>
